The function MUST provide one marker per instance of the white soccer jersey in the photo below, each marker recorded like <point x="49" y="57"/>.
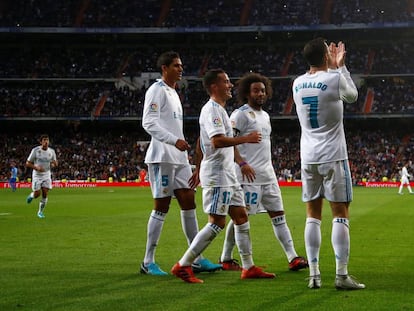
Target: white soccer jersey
<point x="319" y="104"/>
<point x="404" y="172"/>
<point x="163" y="119"/>
<point x="246" y="120"/>
<point x="217" y="167"/>
<point x="42" y="158"/>
<point x="405" y="176"/>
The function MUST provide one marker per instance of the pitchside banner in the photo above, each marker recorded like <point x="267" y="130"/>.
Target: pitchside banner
<point x="105" y="183"/>
<point x="81" y="184"/>
<point x="374" y="184"/>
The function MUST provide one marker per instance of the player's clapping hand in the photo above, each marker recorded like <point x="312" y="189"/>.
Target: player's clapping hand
<point x="340" y="54"/>
<point x="332" y="56"/>
<point x="337" y="55"/>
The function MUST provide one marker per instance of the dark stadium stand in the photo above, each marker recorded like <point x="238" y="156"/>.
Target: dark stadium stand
<point x="187" y="13"/>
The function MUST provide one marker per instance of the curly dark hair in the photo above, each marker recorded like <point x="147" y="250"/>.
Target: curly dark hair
<point x="243" y="86"/>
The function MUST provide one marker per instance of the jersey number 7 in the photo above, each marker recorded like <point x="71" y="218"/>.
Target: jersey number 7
<point x="312" y="101"/>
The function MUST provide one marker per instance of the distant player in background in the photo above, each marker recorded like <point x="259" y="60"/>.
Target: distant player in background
<point x="255" y="170"/>
<point x="13" y="176"/>
<point x="167" y="159"/>
<point x="41" y="160"/>
<point x="142" y="175"/>
<point x="405" y="179"/>
<point x="319" y="95"/>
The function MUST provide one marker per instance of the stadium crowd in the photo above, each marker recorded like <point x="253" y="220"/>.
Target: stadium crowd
<point x="271" y="59"/>
<point x="76" y="99"/>
<point x="119" y="153"/>
<point x="69" y="82"/>
<point x="56" y="99"/>
<point x="187" y="13"/>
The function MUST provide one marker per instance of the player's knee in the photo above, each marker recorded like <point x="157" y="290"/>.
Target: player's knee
<point x="239" y="216"/>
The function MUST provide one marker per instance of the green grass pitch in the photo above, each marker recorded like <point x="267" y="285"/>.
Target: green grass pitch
<point x="85" y="255"/>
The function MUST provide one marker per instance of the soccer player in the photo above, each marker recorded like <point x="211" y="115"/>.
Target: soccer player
<point x="255" y="171"/>
<point x="222" y="193"/>
<point x="41" y="160"/>
<point x="167" y="159"/>
<point x="405" y="179"/>
<point x="319" y="95"/>
<point x="13" y="176"/>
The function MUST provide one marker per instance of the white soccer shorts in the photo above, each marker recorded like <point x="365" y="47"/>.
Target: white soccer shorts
<point x="41" y="182"/>
<point x="329" y="180"/>
<point x="164" y="178"/>
<point x="217" y="200"/>
<point x="262" y="198"/>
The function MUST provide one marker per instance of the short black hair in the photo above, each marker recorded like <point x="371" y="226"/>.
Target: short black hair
<point x="314" y="52"/>
<point x="166" y="59"/>
<point x="43" y="136"/>
<point x="210" y="77"/>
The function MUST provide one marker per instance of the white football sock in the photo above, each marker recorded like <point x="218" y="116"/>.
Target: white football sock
<point x="189" y="225"/>
<point x="244" y="244"/>
<point x="154" y="228"/>
<point x="341" y="243"/>
<point x="282" y="233"/>
<point x="313" y="241"/>
<point x="200" y="243"/>
<point x="229" y="243"/>
<point x="42" y="204"/>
